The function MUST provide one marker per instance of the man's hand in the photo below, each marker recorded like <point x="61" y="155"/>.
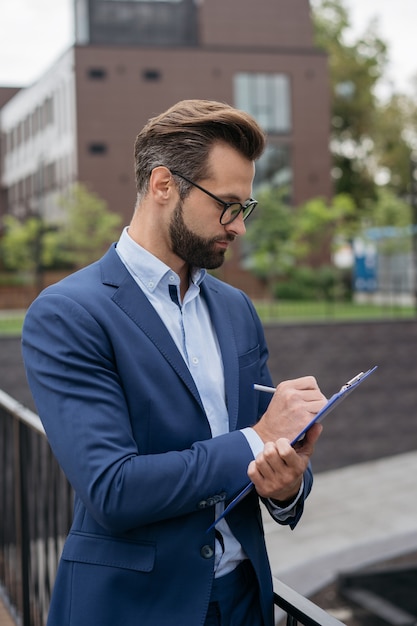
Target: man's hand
<point x="293" y="406"/>
<point x="277" y="472"/>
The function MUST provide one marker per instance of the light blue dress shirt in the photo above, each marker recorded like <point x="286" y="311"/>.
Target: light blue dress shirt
<point x="187" y="322"/>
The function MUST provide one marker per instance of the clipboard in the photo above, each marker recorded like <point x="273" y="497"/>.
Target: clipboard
<point x="333" y="401"/>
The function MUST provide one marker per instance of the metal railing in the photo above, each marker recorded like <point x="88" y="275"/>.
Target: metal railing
<point x="298" y="609"/>
<point x="36" y="503"/>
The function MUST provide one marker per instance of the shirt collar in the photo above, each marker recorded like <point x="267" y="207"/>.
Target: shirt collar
<point x="147" y="268"/>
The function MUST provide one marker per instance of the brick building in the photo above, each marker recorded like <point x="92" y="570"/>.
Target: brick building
<point x="134" y="58"/>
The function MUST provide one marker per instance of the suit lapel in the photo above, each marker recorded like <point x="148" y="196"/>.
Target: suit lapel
<point x="131" y="299"/>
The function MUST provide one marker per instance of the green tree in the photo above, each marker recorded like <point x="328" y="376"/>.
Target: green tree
<point x="388" y="210"/>
<point x="283" y="237"/>
<point x="356" y="66"/>
<point x="89" y="227"/>
<point x="33" y="245"/>
<point x="270" y="237"/>
<point x="28" y="246"/>
<point x="317" y="225"/>
<point x="393" y="215"/>
<point x="394" y="137"/>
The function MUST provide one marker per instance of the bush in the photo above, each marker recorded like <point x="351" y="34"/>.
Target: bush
<point x="307" y="283"/>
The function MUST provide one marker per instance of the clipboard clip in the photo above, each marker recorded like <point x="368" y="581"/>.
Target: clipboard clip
<point x="352" y="381"/>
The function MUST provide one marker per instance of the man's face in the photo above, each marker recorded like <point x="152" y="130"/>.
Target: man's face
<point x="197" y="236"/>
<point x="195" y="250"/>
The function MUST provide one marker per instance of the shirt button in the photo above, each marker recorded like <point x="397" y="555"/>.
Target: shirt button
<point x="150" y="284"/>
<point x="207" y="552"/>
<point x="172" y="278"/>
<point x="195" y="360"/>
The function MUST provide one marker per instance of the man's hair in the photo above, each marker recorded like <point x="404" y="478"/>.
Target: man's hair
<point x="181" y="139"/>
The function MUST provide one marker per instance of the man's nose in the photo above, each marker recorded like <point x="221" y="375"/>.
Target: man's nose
<point x="237" y="227"/>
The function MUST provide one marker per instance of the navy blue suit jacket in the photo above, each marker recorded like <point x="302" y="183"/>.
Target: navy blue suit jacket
<point x="125" y="420"/>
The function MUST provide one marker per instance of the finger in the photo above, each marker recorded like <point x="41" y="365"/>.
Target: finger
<point x="266" y="461"/>
<point x="307" y="444"/>
<point x="287" y="453"/>
<point x="270" y="461"/>
<point x="314" y="433"/>
<point x="305" y="382"/>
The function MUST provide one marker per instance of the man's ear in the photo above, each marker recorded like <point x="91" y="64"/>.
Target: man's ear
<point x="161" y="184"/>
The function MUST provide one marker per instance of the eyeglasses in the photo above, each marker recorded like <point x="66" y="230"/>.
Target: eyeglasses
<point x="230" y="209"/>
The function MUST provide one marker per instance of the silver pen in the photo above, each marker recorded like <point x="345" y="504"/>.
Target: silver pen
<point x="349" y="383"/>
<point x="264" y="388"/>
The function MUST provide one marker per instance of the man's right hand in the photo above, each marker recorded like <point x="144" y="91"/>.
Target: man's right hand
<point x="293" y="406"/>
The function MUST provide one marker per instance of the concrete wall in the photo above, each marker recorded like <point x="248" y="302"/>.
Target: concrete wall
<point x="378" y="420"/>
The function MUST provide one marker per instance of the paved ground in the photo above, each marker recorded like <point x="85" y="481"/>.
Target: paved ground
<point x="363" y="507"/>
<point x="356" y="516"/>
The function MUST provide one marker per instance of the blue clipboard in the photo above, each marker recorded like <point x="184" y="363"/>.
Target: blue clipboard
<point x="335" y="399"/>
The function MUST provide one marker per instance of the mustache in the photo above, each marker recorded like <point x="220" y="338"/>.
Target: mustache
<point x="227" y="237"/>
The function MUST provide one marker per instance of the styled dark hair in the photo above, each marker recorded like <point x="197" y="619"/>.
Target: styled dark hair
<point x="181" y="139"/>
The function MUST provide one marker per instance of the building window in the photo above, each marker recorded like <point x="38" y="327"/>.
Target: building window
<point x="97" y="148"/>
<point x="151" y="75"/>
<point x="267" y="97"/>
<point x="97" y="73"/>
<point x="274" y="169"/>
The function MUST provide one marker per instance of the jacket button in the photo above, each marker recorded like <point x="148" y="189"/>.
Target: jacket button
<point x="207" y="552"/>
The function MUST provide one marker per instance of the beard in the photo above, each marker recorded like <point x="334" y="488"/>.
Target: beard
<point x="195" y="250"/>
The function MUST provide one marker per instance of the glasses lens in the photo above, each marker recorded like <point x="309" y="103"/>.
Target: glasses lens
<point x="230" y="213"/>
<point x="233" y="210"/>
<point x="248" y="208"/>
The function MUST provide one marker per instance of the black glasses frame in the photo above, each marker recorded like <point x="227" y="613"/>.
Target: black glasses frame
<point x="234" y="208"/>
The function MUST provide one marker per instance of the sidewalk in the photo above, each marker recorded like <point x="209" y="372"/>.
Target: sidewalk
<point x="354" y="516"/>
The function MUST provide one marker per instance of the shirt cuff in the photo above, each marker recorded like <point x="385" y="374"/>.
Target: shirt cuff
<point x="255" y="442"/>
<point x="282" y="514"/>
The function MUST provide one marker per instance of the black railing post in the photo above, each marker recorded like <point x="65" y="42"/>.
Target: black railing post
<point x="22" y="520"/>
<point x="20" y="509"/>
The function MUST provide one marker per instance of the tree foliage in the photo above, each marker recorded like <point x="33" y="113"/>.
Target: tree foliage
<point x="355" y="66"/>
<point x="372" y="138"/>
<point x="270" y="236"/>
<point x="283" y="237"/>
<point x="394" y="140"/>
<point x="20" y="246"/>
<point x="89" y="227"/>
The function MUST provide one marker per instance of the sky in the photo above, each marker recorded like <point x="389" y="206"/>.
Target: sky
<point x="34" y="33"/>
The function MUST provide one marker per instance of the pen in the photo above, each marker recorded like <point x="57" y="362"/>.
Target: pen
<point x="264" y="388"/>
<point x="273" y="389"/>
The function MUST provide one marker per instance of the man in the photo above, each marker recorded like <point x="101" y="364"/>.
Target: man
<point x="142" y="367"/>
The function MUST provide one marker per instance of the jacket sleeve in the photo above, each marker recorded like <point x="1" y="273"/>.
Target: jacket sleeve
<point x="81" y="401"/>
